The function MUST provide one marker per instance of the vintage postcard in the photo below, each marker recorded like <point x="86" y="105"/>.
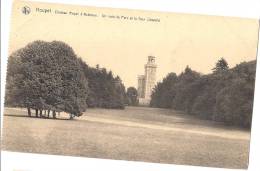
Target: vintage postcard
<point x="130" y="85"/>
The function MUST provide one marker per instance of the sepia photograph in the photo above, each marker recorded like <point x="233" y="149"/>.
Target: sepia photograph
<point x="134" y="85"/>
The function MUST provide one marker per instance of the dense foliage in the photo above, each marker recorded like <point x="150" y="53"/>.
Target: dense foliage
<point x="48" y="76"/>
<point x="225" y="95"/>
<point x="105" y="90"/>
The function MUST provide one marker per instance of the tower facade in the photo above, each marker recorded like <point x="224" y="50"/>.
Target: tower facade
<point x="141" y="86"/>
<point x="150" y="76"/>
<point x="147" y="81"/>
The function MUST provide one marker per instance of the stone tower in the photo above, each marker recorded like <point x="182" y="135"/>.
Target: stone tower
<point x="150" y="76"/>
<point x="141" y="86"/>
<point x="147" y="81"/>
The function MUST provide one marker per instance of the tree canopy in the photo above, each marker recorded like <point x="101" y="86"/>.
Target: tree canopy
<point x="47" y="76"/>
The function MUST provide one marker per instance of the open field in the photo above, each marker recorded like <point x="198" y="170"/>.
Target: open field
<point x="136" y="133"/>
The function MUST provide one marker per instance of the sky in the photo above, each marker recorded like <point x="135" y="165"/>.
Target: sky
<point x="123" y="44"/>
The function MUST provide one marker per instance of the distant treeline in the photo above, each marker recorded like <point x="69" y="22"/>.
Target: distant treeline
<point x="225" y="95"/>
<point x="49" y="77"/>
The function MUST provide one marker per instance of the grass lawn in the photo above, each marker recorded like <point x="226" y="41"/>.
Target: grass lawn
<point x="136" y="133"/>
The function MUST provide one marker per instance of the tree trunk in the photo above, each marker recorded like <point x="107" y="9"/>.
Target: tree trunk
<point x="54" y="114"/>
<point x="49" y="113"/>
<point x="29" y="111"/>
<point x="36" y="112"/>
<point x="40" y="113"/>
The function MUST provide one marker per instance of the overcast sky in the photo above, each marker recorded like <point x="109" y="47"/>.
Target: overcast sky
<point x="123" y="45"/>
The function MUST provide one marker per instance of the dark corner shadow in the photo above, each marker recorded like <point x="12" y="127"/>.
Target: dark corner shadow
<point x="25" y="116"/>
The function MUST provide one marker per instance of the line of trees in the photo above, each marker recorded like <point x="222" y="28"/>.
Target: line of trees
<point x="225" y="95"/>
<point x="49" y="77"/>
<point x="105" y="90"/>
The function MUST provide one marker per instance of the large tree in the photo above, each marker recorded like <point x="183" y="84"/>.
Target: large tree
<point x="186" y="89"/>
<point x="49" y="77"/>
<point x="164" y="92"/>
